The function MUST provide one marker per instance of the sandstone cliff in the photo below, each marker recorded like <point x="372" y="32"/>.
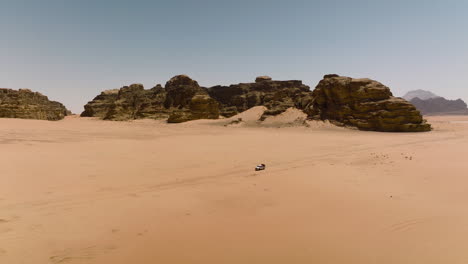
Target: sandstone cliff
<point x="100" y="105"/>
<point x="362" y="103"/>
<point x="365" y="104"/>
<point x="29" y="105"/>
<point x="277" y="96"/>
<point x="181" y="100"/>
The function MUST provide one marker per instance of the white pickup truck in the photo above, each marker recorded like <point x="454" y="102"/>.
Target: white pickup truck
<point x="260" y="167"/>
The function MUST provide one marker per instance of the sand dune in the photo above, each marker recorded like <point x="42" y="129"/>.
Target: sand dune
<point x="292" y="117"/>
<point x="83" y="190"/>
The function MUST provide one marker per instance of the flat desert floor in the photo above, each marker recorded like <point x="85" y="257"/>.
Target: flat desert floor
<point x="83" y="190"/>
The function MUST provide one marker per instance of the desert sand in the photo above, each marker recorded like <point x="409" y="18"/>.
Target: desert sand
<point x="82" y="190"/>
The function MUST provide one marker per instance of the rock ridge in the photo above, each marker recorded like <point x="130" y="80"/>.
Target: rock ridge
<point x="362" y="103"/>
<point x="26" y="104"/>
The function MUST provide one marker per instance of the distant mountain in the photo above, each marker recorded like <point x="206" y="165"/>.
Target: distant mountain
<point x="421" y="94"/>
<point x="440" y="105"/>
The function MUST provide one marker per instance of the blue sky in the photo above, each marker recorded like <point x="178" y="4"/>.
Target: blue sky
<point x="72" y="50"/>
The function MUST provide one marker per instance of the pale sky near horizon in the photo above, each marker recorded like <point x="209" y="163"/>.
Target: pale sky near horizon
<point x="73" y="50"/>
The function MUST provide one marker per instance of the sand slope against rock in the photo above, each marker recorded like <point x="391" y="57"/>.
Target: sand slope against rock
<point x="276" y="96"/>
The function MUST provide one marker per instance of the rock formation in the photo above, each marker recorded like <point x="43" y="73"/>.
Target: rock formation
<point x="180" y="91"/>
<point x="440" y="105"/>
<point x="277" y="96"/>
<point x="29" y="105"/>
<point x="189" y="101"/>
<point x="365" y="104"/>
<point x="201" y="106"/>
<point x="134" y="102"/>
<point x="362" y="103"/>
<point x="100" y="105"/>
<point x="181" y="100"/>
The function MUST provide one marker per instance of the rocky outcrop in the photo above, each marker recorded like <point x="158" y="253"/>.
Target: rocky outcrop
<point x="362" y="103"/>
<point x="180" y="91"/>
<point x="128" y="102"/>
<point x="440" y="105"/>
<point x="365" y="104"/>
<point x="181" y="100"/>
<point x="29" y="105"/>
<point x="134" y="102"/>
<point x="277" y="96"/>
<point x="101" y="104"/>
<point x="201" y="106"/>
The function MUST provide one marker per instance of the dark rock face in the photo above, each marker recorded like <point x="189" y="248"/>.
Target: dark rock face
<point x="100" y="105"/>
<point x="180" y="90"/>
<point x="201" y="106"/>
<point x="365" y="104"/>
<point x="440" y="105"/>
<point x="181" y="100"/>
<point x="128" y="102"/>
<point x="277" y="96"/>
<point x="134" y="102"/>
<point x="29" y="105"/>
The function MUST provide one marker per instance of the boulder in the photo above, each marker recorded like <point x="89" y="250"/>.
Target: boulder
<point x="262" y="79"/>
<point x="180" y="91"/>
<point x="365" y="104"/>
<point x="27" y="104"/>
<point x="188" y="101"/>
<point x="202" y="106"/>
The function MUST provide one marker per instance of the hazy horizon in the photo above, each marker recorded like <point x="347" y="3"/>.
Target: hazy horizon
<point x="71" y="51"/>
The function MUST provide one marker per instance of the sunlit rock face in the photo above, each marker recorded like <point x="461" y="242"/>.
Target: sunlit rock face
<point x="27" y="104"/>
<point x="181" y="100"/>
<point x="365" y="104"/>
<point x="362" y="103"/>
